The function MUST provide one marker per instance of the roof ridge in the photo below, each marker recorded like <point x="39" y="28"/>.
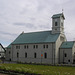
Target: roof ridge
<point x="69" y="41"/>
<point x="36" y="32"/>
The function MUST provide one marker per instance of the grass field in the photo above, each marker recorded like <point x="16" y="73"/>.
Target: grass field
<point x="39" y="69"/>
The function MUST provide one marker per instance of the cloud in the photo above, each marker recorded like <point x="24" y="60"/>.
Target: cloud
<point x="33" y="15"/>
<point x="28" y="25"/>
<point x="6" y="33"/>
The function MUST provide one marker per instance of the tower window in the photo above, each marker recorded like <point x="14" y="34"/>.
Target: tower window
<point x="56" y="23"/>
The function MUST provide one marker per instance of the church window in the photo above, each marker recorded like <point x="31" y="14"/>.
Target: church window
<point x="10" y="59"/>
<point x="25" y="54"/>
<point x="17" y="47"/>
<point x="45" y="55"/>
<point x="35" y="46"/>
<point x="26" y="47"/>
<point x="65" y="55"/>
<point x="35" y="55"/>
<point x="56" y="23"/>
<point x="9" y="52"/>
<point x="43" y="46"/>
<point x="17" y="54"/>
<point x="68" y="60"/>
<point x="46" y="46"/>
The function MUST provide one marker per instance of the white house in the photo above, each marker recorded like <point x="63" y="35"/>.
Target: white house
<point x="40" y="47"/>
<point x="2" y="51"/>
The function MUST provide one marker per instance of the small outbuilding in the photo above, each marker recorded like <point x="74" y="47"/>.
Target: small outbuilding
<point x="67" y="52"/>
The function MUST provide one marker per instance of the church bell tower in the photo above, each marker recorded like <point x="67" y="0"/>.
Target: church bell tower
<point x="58" y="23"/>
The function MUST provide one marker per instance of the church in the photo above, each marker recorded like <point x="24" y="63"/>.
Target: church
<point x="43" y="47"/>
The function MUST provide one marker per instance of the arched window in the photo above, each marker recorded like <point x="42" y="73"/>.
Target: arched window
<point x="35" y="55"/>
<point x="46" y="46"/>
<point x="45" y="55"/>
<point x="9" y="52"/>
<point x="17" y="54"/>
<point x="43" y="46"/>
<point x="56" y="23"/>
<point x="25" y="54"/>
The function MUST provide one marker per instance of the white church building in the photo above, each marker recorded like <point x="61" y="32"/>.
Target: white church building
<point x="45" y="47"/>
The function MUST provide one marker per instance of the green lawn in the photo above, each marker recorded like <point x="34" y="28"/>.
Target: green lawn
<point x="39" y="69"/>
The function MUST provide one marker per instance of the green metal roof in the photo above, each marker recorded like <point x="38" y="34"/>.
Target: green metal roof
<point x="9" y="46"/>
<point x="58" y="15"/>
<point x="36" y="37"/>
<point x="68" y="44"/>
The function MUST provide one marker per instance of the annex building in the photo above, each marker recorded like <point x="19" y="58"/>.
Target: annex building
<point x="2" y="51"/>
<point x="47" y="47"/>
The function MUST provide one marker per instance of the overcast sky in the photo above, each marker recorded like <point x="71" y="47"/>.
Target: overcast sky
<point x="32" y="16"/>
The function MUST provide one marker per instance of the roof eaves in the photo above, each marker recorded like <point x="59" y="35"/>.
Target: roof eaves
<point x="2" y="46"/>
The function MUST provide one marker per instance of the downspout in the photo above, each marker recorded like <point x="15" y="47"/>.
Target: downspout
<point x="63" y="56"/>
<point x="54" y="56"/>
<point x="52" y="52"/>
<point x="12" y="52"/>
<point x="59" y="55"/>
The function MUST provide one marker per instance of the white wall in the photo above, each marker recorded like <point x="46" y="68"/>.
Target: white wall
<point x="30" y="53"/>
<point x="58" y="44"/>
<point x="67" y="58"/>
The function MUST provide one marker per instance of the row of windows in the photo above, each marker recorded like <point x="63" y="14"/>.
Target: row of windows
<point x="26" y="47"/>
<point x="35" y="55"/>
<point x="45" y="46"/>
<point x="34" y="46"/>
<point x="17" y="47"/>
